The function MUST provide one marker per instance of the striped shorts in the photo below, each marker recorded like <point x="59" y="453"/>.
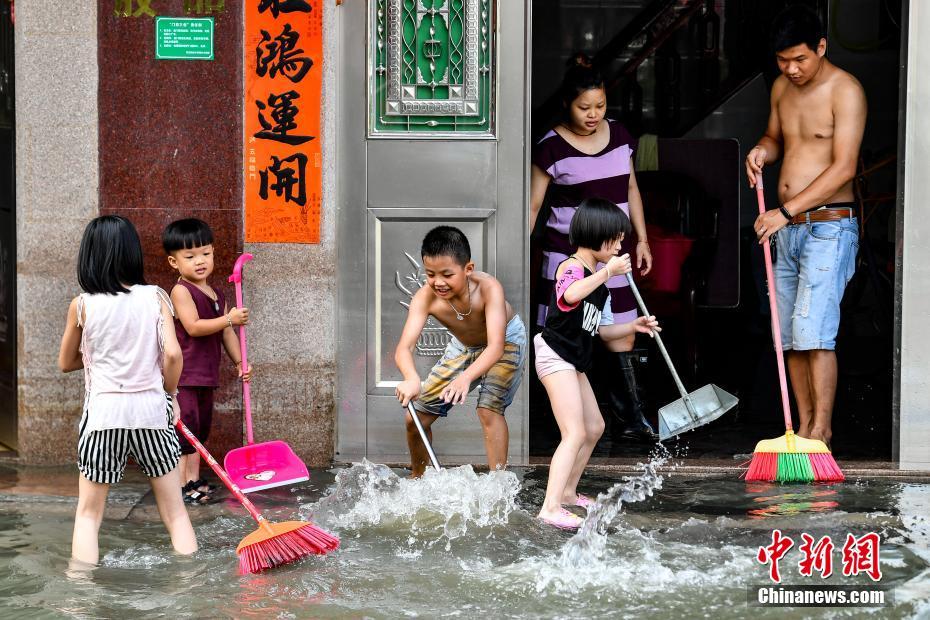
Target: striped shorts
<point x="496" y="389"/>
<point x="102" y="454"/>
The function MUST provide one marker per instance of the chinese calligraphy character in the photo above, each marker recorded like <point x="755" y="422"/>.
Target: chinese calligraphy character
<point x="285" y="179"/>
<point x="774" y="552"/>
<point x="283" y="6"/>
<point x="817" y="557"/>
<point x="280" y="55"/>
<point x="123" y="8"/>
<point x="201" y="7"/>
<point x="283" y="113"/>
<point x="860" y="555"/>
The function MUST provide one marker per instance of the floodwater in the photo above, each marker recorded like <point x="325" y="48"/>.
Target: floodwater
<point x="457" y="544"/>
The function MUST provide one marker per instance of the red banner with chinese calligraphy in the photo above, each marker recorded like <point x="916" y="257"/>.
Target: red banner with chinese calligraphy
<point x="283" y="81"/>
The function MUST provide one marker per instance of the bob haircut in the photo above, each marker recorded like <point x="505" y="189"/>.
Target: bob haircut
<point x="795" y="25"/>
<point x="596" y="222"/>
<point x="110" y="258"/>
<point x="447" y="241"/>
<point x="186" y="234"/>
<point x="580" y="76"/>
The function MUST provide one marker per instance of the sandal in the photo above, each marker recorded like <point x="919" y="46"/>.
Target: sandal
<point x="192" y="496"/>
<point x="583" y="501"/>
<point x="202" y="484"/>
<point x="565" y="520"/>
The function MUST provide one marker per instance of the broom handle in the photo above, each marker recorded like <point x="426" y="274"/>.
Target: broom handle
<point x="773" y="310"/>
<point x="420" y="429"/>
<point x="223" y="475"/>
<point x="668" y="360"/>
<point x="236" y="278"/>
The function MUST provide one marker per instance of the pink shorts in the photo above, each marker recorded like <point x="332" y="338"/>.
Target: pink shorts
<point x="547" y="360"/>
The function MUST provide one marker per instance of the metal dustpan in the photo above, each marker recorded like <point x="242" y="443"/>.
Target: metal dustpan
<point x="258" y="466"/>
<point x="691" y="410"/>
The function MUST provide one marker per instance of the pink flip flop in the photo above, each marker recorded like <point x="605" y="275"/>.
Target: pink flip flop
<point x="564" y="521"/>
<point x="583" y="501"/>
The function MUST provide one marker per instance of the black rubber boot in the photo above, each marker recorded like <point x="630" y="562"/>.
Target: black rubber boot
<point x="626" y="402"/>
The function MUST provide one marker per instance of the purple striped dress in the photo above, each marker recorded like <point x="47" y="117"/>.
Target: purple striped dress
<point x="575" y="177"/>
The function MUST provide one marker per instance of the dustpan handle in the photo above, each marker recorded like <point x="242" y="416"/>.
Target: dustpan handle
<point x="219" y="471"/>
<point x="236" y="278"/>
<point x="773" y="310"/>
<point x="668" y="360"/>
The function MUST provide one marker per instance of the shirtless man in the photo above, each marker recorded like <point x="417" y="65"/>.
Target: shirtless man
<point x="488" y="346"/>
<point x="817" y="118"/>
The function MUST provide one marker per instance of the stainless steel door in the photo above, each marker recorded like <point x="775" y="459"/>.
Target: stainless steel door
<point x="400" y="174"/>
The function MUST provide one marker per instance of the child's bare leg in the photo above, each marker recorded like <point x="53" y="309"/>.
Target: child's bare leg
<point x="172" y="511"/>
<point x="419" y="457"/>
<point x="593" y="428"/>
<point x="496" y="437"/>
<point x="92" y="500"/>
<point x="564" y="390"/>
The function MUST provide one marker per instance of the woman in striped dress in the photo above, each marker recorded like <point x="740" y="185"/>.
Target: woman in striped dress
<point x="589" y="156"/>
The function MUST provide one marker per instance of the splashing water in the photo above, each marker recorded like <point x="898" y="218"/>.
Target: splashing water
<point x="447" y="502"/>
<point x="589" y="544"/>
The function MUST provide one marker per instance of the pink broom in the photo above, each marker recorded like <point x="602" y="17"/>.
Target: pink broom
<point x="272" y="544"/>
<point x="788" y="458"/>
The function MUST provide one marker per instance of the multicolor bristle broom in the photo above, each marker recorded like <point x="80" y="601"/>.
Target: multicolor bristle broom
<point x="272" y="544"/>
<point x="788" y="458"/>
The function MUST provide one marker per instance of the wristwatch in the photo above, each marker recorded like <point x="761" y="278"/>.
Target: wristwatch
<point x="785" y="212"/>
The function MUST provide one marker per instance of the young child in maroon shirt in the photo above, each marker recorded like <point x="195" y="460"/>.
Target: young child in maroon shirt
<point x="204" y="325"/>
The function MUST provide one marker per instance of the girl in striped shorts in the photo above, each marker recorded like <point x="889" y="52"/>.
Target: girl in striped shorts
<point x="121" y="332"/>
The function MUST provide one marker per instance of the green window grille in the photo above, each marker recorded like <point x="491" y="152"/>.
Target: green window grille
<point x="431" y="67"/>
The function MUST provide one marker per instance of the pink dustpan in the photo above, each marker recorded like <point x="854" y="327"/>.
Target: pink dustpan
<point x="258" y="466"/>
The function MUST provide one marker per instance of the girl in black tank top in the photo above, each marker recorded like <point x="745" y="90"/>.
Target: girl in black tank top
<point x="564" y="348"/>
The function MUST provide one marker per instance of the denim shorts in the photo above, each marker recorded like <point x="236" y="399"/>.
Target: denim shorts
<point x="496" y="389"/>
<point x="815" y="262"/>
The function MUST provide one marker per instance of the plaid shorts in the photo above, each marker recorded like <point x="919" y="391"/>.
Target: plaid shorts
<point x="496" y="389"/>
<point x="102" y="454"/>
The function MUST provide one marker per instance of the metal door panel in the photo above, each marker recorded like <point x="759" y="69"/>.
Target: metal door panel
<point x="432" y="174"/>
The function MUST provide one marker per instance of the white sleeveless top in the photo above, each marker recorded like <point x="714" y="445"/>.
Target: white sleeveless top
<point x="122" y="346"/>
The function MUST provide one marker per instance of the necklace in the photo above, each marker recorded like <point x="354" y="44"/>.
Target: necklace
<point x="459" y="315"/>
<point x="214" y="298"/>
<point x="580" y="260"/>
<point x="583" y="135"/>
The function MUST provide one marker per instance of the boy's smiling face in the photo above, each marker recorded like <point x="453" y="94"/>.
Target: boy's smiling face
<point x="194" y="264"/>
<point x="446" y="276"/>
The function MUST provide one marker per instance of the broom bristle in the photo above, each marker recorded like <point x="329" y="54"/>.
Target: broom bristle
<point x="790" y="458"/>
<point x="291" y="541"/>
<point x="793" y="467"/>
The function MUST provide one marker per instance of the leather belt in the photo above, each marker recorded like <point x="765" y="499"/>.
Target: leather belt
<point x="824" y="215"/>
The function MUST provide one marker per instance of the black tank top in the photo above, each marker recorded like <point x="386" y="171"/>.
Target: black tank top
<point x="571" y="333"/>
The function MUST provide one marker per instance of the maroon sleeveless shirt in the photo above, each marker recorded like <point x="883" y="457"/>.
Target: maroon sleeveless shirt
<point x="201" y="354"/>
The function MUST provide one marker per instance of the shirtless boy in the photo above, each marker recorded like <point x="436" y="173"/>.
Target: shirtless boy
<point x="816" y="122"/>
<point x="488" y="346"/>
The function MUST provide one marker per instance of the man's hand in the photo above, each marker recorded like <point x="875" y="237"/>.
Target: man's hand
<point x="768" y="224"/>
<point x="239" y="316"/>
<point x="646" y="325"/>
<point x="456" y="391"/>
<point x="619" y="265"/>
<point x="755" y="159"/>
<point x="407" y="390"/>
<point x="244" y="376"/>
